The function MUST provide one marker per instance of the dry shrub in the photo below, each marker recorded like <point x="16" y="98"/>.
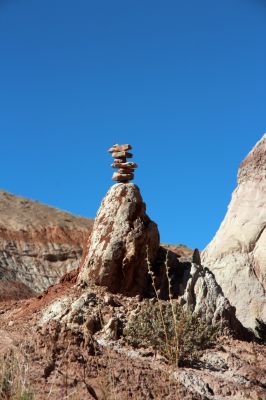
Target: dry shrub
<point x="179" y="335"/>
<point x="14" y="377"/>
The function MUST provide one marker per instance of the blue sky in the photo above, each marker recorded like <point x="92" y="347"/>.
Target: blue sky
<point x="183" y="81"/>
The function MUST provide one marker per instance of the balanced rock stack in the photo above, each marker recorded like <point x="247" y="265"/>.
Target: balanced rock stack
<point x="125" y="171"/>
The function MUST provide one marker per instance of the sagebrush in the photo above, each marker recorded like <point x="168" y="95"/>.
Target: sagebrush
<point x="177" y="334"/>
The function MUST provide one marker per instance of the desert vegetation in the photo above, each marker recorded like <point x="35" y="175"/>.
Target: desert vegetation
<point x="177" y="334"/>
<point x="14" y="379"/>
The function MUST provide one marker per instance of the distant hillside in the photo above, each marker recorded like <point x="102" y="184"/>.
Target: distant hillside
<point x="38" y="244"/>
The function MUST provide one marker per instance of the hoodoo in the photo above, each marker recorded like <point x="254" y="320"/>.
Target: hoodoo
<point x="116" y="254"/>
<point x="122" y="239"/>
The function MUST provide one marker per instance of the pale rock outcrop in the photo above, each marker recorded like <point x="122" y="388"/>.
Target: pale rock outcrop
<point x="237" y="254"/>
<point x="203" y="294"/>
<point x="196" y="289"/>
<point x="228" y="372"/>
<point x="117" y="251"/>
<point x="38" y="245"/>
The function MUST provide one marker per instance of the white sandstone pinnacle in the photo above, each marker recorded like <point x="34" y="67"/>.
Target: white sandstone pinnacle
<point x="237" y="254"/>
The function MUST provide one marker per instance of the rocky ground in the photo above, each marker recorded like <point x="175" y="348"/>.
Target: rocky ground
<point x="70" y="343"/>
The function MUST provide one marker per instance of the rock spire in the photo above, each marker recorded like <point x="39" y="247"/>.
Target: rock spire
<point x="125" y="171"/>
<point x="237" y="254"/>
<point x="116" y="254"/>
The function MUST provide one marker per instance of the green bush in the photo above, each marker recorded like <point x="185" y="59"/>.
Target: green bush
<point x="179" y="335"/>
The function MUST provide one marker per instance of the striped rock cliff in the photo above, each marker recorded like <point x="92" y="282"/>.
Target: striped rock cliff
<point x="38" y="244"/>
<point x="237" y="254"/>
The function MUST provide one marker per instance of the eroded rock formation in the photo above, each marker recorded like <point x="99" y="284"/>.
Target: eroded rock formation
<point x="74" y="338"/>
<point x="123" y="254"/>
<point x="195" y="288"/>
<point x="237" y="254"/>
<point x="38" y="244"/>
<point x="116" y="256"/>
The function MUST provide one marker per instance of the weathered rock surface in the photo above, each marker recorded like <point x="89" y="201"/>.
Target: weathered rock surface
<point x="234" y="370"/>
<point x="116" y="254"/>
<point x="237" y="254"/>
<point x="73" y="342"/>
<point x="38" y="244"/>
<point x="196" y="289"/>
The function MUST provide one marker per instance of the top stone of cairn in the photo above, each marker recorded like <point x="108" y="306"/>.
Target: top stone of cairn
<point x="125" y="171"/>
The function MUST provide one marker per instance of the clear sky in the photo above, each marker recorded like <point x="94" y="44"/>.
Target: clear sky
<point x="183" y="81"/>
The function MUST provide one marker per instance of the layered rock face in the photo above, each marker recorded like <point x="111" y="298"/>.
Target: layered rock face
<point x="38" y="244"/>
<point x="116" y="256"/>
<point x="237" y="254"/>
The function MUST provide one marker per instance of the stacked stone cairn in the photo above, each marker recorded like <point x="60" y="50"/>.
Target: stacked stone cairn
<point x="125" y="171"/>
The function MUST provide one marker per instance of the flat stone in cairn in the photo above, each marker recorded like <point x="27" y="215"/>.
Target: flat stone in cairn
<point x="120" y="160"/>
<point x="125" y="171"/>
<point x="122" y="177"/>
<point x="121" y="147"/>
<point x="123" y="154"/>
<point x="124" y="165"/>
